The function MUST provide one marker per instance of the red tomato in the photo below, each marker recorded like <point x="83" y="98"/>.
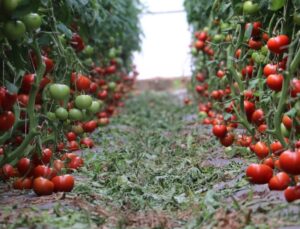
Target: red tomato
<point x="111" y="69"/>
<point x="73" y="146"/>
<point x="219" y="130"/>
<point x="93" y="88"/>
<point x="220" y="73"/>
<point x="43" y="171"/>
<point x="254" y="44"/>
<point x="58" y="165"/>
<point x="83" y="83"/>
<point x="199" y="44"/>
<point x="287" y="121"/>
<point x="249" y="108"/>
<point x="7" y="171"/>
<point x="247" y="71"/>
<point x="278" y="44"/>
<point x="202" y="36"/>
<point x="76" y="163"/>
<point x="77" y="42"/>
<point x="276" y="147"/>
<point x="24" y="166"/>
<point x="199" y="89"/>
<point x="102" y="94"/>
<point x="64" y="183"/>
<point x="45" y="157"/>
<point x="265" y="37"/>
<point x="258" y="117"/>
<point x="23" y="183"/>
<point x="42" y="186"/>
<point x="227" y="140"/>
<point x="245" y="140"/>
<point x="23" y="100"/>
<point x="262" y="128"/>
<point x="200" y="77"/>
<point x="248" y="95"/>
<point x="269" y="162"/>
<point x="261" y="150"/>
<point x="279" y="182"/>
<point x="270" y="69"/>
<point x="292" y="193"/>
<point x="259" y="173"/>
<point x="71" y="136"/>
<point x="7" y="100"/>
<point x="238" y="53"/>
<point x="103" y="121"/>
<point x="275" y="81"/>
<point x="44" y="82"/>
<point x="49" y="63"/>
<point x="255" y="29"/>
<point x="289" y="162"/>
<point x="89" y="126"/>
<point x="27" y="82"/>
<point x="295" y="85"/>
<point x="87" y="142"/>
<point x="7" y="120"/>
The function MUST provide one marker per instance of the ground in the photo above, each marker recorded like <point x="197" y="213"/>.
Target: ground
<point x="155" y="167"/>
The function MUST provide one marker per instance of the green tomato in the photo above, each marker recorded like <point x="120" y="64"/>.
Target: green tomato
<point x="14" y="30"/>
<point x="238" y="8"/>
<point x="225" y="26"/>
<point x="264" y="50"/>
<point x="194" y="51"/>
<point x="297" y="106"/>
<point x="88" y="61"/>
<point x="95" y="107"/>
<point x="61" y="113"/>
<point x="296" y="18"/>
<point x="10" y="5"/>
<point x="77" y="129"/>
<point x="202" y="114"/>
<point x="62" y="39"/>
<point x="112" y="86"/>
<point x="250" y="8"/>
<point x="258" y="57"/>
<point x="83" y="101"/>
<point x="59" y="91"/>
<point x="284" y="131"/>
<point x="218" y="38"/>
<point x="75" y="114"/>
<point x="112" y="53"/>
<point x="51" y="116"/>
<point x="88" y="50"/>
<point x="119" y="61"/>
<point x="32" y="21"/>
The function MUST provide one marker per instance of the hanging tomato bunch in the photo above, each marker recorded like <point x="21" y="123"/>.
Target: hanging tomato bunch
<point x="246" y="76"/>
<point x="65" y="69"/>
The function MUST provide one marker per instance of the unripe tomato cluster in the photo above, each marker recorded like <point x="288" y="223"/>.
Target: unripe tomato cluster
<point x="62" y="78"/>
<point x="246" y="76"/>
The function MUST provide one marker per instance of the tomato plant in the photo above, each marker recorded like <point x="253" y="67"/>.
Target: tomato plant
<point x="260" y="88"/>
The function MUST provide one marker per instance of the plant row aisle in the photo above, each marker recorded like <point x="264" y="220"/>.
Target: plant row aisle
<point x="246" y="75"/>
<point x="157" y="167"/>
<point x="65" y="68"/>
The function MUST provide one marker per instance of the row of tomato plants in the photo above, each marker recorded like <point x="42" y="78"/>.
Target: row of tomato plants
<point x="66" y="66"/>
<point x="246" y="78"/>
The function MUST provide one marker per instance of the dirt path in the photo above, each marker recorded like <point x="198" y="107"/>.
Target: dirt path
<point x="155" y="167"/>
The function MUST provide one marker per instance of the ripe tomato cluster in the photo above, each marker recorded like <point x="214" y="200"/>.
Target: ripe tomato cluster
<point x="63" y="78"/>
<point x="246" y="77"/>
<point x="37" y="174"/>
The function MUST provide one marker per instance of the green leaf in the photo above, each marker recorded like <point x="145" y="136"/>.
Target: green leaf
<point x="12" y="88"/>
<point x="275" y="5"/>
<point x="64" y="29"/>
<point x="248" y="31"/>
